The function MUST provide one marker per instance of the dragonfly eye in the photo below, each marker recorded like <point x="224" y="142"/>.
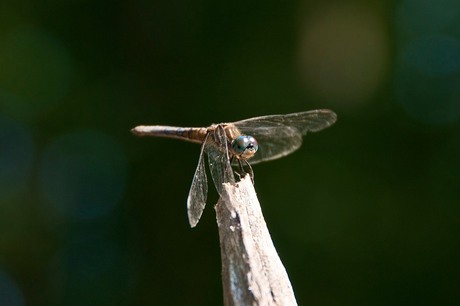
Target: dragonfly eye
<point x="244" y="146"/>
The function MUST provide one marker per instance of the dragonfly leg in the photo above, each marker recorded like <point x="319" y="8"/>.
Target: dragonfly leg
<point x="236" y="172"/>
<point x="251" y="173"/>
<point x="241" y="168"/>
<point x="240" y="165"/>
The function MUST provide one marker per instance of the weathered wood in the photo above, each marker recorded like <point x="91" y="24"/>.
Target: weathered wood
<point x="252" y="272"/>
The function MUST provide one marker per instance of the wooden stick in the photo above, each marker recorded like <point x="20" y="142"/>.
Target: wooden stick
<point x="252" y="272"/>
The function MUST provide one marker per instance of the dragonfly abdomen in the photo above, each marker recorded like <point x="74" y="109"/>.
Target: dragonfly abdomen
<point x="191" y="134"/>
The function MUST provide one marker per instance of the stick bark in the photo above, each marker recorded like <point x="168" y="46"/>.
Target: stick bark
<point x="252" y="272"/>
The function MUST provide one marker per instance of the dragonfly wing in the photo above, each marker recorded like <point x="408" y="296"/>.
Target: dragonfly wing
<point x="196" y="200"/>
<point x="309" y="121"/>
<point x="280" y="135"/>
<point x="218" y="158"/>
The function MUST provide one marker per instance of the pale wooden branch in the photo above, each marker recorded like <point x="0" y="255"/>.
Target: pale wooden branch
<point x="252" y="272"/>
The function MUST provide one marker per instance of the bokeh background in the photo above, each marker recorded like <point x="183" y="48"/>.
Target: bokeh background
<point x="367" y="212"/>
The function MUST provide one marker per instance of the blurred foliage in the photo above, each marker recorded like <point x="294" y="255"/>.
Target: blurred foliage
<point x="365" y="213"/>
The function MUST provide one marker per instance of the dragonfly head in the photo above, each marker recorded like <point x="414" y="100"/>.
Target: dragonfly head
<point x="244" y="146"/>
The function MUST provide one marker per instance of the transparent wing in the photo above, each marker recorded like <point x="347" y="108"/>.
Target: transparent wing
<point x="196" y="200"/>
<point x="280" y="135"/>
<point x="218" y="158"/>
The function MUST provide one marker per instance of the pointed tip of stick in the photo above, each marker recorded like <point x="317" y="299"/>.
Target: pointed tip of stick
<point x="192" y="221"/>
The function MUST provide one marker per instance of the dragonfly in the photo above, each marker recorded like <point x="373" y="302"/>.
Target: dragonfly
<point x="256" y="139"/>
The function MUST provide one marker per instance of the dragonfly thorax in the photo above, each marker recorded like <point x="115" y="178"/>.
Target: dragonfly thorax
<point x="244" y="146"/>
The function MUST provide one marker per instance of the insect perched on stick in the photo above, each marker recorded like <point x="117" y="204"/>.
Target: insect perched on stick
<point x="256" y="139"/>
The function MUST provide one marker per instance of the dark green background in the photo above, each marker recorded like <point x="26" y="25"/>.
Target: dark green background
<point x="367" y="212"/>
